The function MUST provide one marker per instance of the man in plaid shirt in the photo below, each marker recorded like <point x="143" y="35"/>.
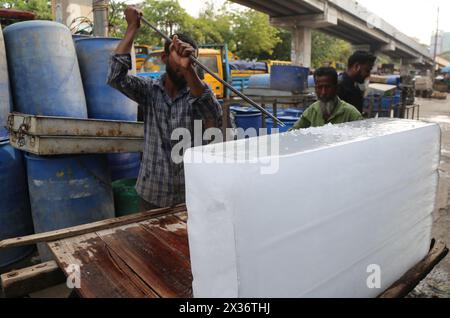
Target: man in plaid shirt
<point x="173" y="101"/>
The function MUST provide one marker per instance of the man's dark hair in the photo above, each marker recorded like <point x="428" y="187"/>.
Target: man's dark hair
<point x="326" y="71"/>
<point x="183" y="38"/>
<point x="361" y="57"/>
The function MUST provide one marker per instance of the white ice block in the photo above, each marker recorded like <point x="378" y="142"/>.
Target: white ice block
<point x="343" y="198"/>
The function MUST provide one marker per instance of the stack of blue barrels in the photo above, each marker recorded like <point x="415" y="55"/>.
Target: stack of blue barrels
<point x="15" y="213"/>
<point x="288" y="116"/>
<point x="382" y="104"/>
<point x="64" y="191"/>
<point x="5" y="94"/>
<point x="288" y="122"/>
<point x="104" y="102"/>
<point x="249" y="117"/>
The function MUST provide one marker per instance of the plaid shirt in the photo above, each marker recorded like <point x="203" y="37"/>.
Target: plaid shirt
<point x="161" y="181"/>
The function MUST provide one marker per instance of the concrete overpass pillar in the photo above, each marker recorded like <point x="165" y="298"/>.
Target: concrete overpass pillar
<point x="405" y="68"/>
<point x="301" y="46"/>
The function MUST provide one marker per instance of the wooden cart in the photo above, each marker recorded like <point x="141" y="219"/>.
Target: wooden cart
<point x="142" y="255"/>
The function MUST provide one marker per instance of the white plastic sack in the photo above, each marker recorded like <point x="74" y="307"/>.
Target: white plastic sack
<point x="346" y="202"/>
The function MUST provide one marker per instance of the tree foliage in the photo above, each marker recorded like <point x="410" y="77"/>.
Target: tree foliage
<point x="42" y="8"/>
<point x="327" y="50"/>
<point x="446" y="55"/>
<point x="247" y="32"/>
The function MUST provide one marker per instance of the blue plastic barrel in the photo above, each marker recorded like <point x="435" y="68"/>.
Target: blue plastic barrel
<point x="247" y="117"/>
<point x="15" y="214"/>
<point x="280" y="111"/>
<point x="237" y="109"/>
<point x="288" y="121"/>
<point x="124" y="165"/>
<point x="5" y="97"/>
<point x="80" y="36"/>
<point x="103" y="101"/>
<point x="397" y="98"/>
<point x="289" y="78"/>
<point x="43" y="69"/>
<point x="386" y="102"/>
<point x="393" y="80"/>
<point x="246" y="121"/>
<point x="293" y="112"/>
<point x="68" y="191"/>
<point x="259" y="81"/>
<point x="311" y="81"/>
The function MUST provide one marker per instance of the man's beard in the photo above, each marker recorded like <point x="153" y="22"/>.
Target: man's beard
<point x="328" y="107"/>
<point x="359" y="79"/>
<point x="178" y="81"/>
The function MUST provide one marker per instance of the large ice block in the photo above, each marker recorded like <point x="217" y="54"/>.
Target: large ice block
<point x="338" y="204"/>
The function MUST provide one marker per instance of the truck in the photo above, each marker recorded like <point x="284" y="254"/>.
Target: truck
<point x="142" y="52"/>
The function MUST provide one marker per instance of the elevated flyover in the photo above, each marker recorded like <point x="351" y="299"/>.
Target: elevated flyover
<point x="344" y="19"/>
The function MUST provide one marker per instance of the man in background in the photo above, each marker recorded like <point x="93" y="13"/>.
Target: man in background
<point x="354" y="81"/>
<point x="329" y="108"/>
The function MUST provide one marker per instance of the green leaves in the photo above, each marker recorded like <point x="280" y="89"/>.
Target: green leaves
<point x="253" y="34"/>
<point x="247" y="32"/>
<point x="328" y="50"/>
<point x="41" y="7"/>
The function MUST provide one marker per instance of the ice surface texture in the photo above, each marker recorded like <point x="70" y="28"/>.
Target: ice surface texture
<point x="344" y="197"/>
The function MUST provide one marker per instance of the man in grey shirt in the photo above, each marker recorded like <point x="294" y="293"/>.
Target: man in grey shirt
<point x="172" y="101"/>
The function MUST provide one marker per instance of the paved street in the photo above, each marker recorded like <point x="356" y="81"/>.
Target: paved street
<point x="437" y="283"/>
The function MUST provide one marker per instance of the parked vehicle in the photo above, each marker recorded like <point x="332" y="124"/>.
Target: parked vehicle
<point x="142" y="52"/>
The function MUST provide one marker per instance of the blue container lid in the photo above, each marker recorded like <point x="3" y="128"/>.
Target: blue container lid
<point x="240" y="110"/>
<point x="294" y="112"/>
<point x="32" y="24"/>
<point x="250" y="115"/>
<point x="244" y="110"/>
<point x="80" y="36"/>
<point x="284" y="119"/>
<point x="95" y="38"/>
<point x="280" y="111"/>
<point x="311" y="82"/>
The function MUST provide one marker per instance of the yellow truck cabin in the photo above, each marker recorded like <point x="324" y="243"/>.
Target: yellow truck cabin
<point x="154" y="67"/>
<point x="142" y="52"/>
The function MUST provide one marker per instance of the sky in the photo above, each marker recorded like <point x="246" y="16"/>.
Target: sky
<point x="415" y="18"/>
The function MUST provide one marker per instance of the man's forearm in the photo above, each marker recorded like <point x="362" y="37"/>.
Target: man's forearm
<point x="126" y="44"/>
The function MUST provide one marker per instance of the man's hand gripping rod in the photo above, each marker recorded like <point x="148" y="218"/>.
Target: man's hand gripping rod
<point x="196" y="61"/>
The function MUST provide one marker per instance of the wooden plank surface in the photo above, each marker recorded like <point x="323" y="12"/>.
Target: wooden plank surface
<point x="412" y="278"/>
<point x="27" y="280"/>
<point x="89" y="228"/>
<point x="101" y="275"/>
<point x="144" y="259"/>
<point x="171" y="232"/>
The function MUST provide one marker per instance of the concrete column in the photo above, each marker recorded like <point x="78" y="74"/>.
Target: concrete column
<point x="100" y="8"/>
<point x="301" y="46"/>
<point x="405" y="68"/>
<point x="71" y="12"/>
<point x="57" y="11"/>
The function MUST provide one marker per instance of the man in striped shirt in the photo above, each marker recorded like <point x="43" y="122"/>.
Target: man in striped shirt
<point x="172" y="101"/>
